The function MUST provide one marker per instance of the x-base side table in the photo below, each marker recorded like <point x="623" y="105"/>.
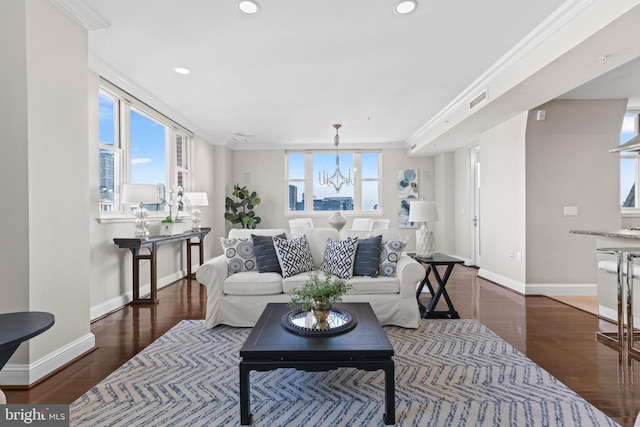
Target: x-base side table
<point x="431" y="264"/>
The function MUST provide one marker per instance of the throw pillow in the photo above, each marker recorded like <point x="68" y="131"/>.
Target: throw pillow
<point x="367" y="259"/>
<point x="266" y="256"/>
<point x="294" y="255"/>
<point x="339" y="257"/>
<point x="389" y="254"/>
<point x="239" y="255"/>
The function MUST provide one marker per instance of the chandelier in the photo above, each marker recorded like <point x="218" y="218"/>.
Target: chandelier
<point x="337" y="180"/>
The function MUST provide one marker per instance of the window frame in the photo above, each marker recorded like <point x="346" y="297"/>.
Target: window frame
<point x="308" y="183"/>
<point x="123" y="104"/>
<point x="629" y="212"/>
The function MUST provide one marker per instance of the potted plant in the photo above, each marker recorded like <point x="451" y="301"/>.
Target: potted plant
<point x="240" y="211"/>
<point x="318" y="293"/>
<point x="171" y="225"/>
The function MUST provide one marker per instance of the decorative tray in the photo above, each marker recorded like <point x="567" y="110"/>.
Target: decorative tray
<point x="303" y="323"/>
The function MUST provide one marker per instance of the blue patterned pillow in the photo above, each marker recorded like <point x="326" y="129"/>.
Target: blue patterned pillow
<point x="239" y="255"/>
<point x="389" y="255"/>
<point x="294" y="255"/>
<point x="339" y="257"/>
<point x="266" y="256"/>
<point x="367" y="261"/>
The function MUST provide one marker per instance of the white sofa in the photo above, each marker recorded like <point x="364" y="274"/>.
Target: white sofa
<point x="239" y="299"/>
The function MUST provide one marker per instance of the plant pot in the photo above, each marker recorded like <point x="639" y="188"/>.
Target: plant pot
<point x="171" y="228"/>
<point x="321" y="311"/>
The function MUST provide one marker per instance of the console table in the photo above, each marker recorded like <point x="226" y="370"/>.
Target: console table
<point x="135" y="245"/>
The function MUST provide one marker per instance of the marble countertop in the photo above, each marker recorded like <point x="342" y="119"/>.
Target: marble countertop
<point x="625" y="233"/>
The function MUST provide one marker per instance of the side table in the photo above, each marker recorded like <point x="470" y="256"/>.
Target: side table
<point x="18" y="327"/>
<point x="431" y="263"/>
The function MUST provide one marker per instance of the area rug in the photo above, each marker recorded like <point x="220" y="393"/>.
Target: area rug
<point x="448" y="373"/>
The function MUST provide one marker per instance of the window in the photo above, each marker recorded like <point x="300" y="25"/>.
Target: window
<point x="138" y="145"/>
<point x="305" y="170"/>
<point x="629" y="170"/>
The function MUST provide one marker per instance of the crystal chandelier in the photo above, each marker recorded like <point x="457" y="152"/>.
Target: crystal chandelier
<point x="337" y="180"/>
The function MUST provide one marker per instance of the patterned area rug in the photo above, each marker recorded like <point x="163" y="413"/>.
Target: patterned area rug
<point x="448" y="373"/>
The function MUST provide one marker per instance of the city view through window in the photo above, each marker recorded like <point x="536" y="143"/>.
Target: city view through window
<point x="326" y="198"/>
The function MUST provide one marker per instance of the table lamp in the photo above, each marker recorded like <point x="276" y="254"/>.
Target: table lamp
<point x="140" y="193"/>
<point x="195" y="200"/>
<point x="424" y="211"/>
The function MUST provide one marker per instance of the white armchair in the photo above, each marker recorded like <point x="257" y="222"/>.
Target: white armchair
<point x="361" y="224"/>
<point x="379" y="224"/>
<point x="298" y="224"/>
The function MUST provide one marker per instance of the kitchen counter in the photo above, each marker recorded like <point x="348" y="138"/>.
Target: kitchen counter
<point x="625" y="233"/>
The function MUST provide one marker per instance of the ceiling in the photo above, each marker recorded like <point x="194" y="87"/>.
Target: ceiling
<point x="283" y="77"/>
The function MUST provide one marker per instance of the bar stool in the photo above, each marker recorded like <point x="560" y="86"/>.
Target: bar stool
<point x="617" y="340"/>
<point x="631" y="335"/>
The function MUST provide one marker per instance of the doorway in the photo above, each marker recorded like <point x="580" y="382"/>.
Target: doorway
<point x="475" y="217"/>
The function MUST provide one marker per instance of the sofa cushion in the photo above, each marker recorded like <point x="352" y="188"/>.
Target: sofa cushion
<point x="245" y="233"/>
<point x="317" y="238"/>
<point x="294" y="255"/>
<point x="367" y="260"/>
<point x="379" y="285"/>
<point x="266" y="256"/>
<point x="388" y="234"/>
<point x="339" y="256"/>
<point x="389" y="254"/>
<point x="239" y="255"/>
<point x="290" y="284"/>
<point x="253" y="283"/>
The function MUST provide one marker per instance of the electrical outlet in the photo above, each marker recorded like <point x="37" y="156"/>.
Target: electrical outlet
<point x="519" y="256"/>
<point x="570" y="211"/>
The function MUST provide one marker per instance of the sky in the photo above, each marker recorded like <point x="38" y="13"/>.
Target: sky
<point x="148" y="152"/>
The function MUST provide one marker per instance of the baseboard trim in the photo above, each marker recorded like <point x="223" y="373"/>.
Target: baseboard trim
<point x="27" y="374"/>
<point x="548" y="289"/>
<point x="563" y="289"/>
<point x="503" y="281"/>
<point x="120" y="301"/>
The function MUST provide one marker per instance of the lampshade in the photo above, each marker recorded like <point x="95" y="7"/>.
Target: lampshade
<point x="140" y="193"/>
<point x="197" y="199"/>
<point x="423" y="211"/>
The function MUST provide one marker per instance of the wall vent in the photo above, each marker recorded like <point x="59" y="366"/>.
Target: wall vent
<point x="478" y="100"/>
<point x="413" y="147"/>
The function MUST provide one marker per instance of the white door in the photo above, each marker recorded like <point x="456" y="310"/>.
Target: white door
<point x="475" y="219"/>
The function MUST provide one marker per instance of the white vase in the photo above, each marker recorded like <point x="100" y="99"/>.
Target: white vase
<point x="337" y="220"/>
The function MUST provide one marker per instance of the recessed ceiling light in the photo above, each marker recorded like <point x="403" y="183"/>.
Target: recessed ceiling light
<point x="182" y="70"/>
<point x="405" y="7"/>
<point x="248" y="6"/>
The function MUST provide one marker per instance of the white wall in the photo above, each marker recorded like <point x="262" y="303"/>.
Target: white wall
<point x="462" y="205"/>
<point x="14" y="246"/>
<point x="502" y="208"/>
<point x="46" y="173"/>
<point x="445" y="200"/>
<point x="569" y="165"/>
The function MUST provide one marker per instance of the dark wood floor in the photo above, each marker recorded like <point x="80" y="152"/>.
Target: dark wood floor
<point x="558" y="337"/>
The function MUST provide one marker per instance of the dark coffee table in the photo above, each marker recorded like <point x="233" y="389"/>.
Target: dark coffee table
<point x="270" y="346"/>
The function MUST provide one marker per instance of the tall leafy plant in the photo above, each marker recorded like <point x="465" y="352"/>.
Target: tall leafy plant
<point x="240" y="209"/>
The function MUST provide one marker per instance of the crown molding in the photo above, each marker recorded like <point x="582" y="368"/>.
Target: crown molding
<point x="82" y="13"/>
<point x="563" y="15"/>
